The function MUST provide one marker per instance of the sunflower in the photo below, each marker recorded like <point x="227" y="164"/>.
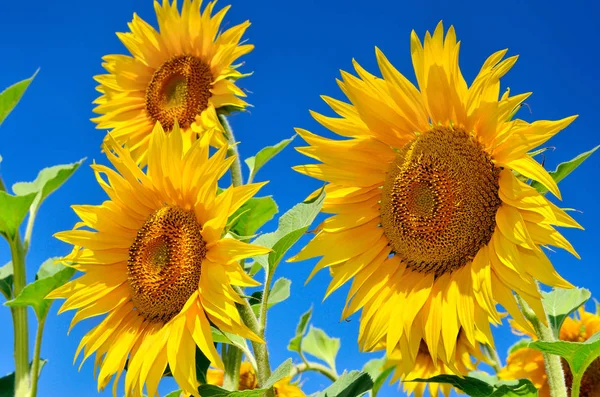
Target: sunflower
<point x="248" y="381"/>
<point x="182" y="73"/>
<point x="431" y="222"/>
<point x="154" y="260"/>
<point x="424" y="368"/>
<point x="529" y="363"/>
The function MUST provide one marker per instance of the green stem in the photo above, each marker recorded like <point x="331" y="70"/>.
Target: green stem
<point x="260" y="349"/>
<point x="232" y="361"/>
<point x="316" y="367"/>
<point x="236" y="168"/>
<point x="35" y="366"/>
<point x="576" y="385"/>
<point x="554" y="369"/>
<point x="20" y="320"/>
<point x="29" y="230"/>
<point x="262" y="318"/>
<point x="493" y="355"/>
<point x="2" y="186"/>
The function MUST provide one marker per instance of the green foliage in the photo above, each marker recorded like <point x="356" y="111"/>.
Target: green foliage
<point x="12" y="95"/>
<point x="6" y="280"/>
<point x="318" y="344"/>
<point x="279" y="292"/>
<point x="235" y="340"/>
<point x="292" y="226"/>
<point x="50" y="276"/>
<point x="215" y="391"/>
<point x="202" y="364"/>
<point x="560" y="303"/>
<point x="520" y="344"/>
<point x="295" y="344"/>
<point x="351" y="384"/>
<point x="378" y="373"/>
<point x="564" y="169"/>
<point x="252" y="215"/>
<point x="13" y="210"/>
<point x="264" y="155"/>
<point x="579" y="355"/>
<point x="7" y="383"/>
<point x="487" y="386"/>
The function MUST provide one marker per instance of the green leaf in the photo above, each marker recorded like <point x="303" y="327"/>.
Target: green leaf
<point x="560" y="303"/>
<point x="292" y="226"/>
<point x="265" y="154"/>
<point x="279" y="292"/>
<point x="202" y="364"/>
<point x="317" y="343"/>
<point x="232" y="339"/>
<point x="12" y="212"/>
<point x="281" y="372"/>
<point x="48" y="279"/>
<point x="520" y="344"/>
<point x="564" y="169"/>
<point x="479" y="387"/>
<point x="295" y="344"/>
<point x="579" y="355"/>
<point x="351" y="384"/>
<point x="378" y="373"/>
<point x="175" y="393"/>
<point x="48" y="180"/>
<point x="6" y="280"/>
<point x="252" y="215"/>
<point x="7" y="383"/>
<point x="12" y="95"/>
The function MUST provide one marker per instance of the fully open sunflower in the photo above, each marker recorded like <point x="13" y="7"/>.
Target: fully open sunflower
<point x="529" y="363"/>
<point x="430" y="220"/>
<point x="154" y="260"/>
<point x="248" y="381"/>
<point x="465" y="360"/>
<point x="181" y="73"/>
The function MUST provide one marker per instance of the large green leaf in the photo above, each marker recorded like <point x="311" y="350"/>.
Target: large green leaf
<point x="317" y="343"/>
<point x="12" y="95"/>
<point x="579" y="355"/>
<point x="279" y="292"/>
<point x="252" y="215"/>
<point x="295" y="344"/>
<point x="564" y="169"/>
<point x="6" y="280"/>
<point x="518" y="345"/>
<point x="48" y="180"/>
<point x="215" y="391"/>
<point x="7" y="383"/>
<point x="560" y="303"/>
<point x="292" y="226"/>
<point x="265" y="154"/>
<point x="13" y="210"/>
<point x="351" y="384"/>
<point x="48" y="279"/>
<point x="486" y="386"/>
<point x="378" y="373"/>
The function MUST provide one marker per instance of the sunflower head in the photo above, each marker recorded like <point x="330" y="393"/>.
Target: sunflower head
<point x="155" y="263"/>
<point x="248" y="381"/>
<point x="529" y="363"/>
<point x="431" y="222"/>
<point x="181" y="73"/>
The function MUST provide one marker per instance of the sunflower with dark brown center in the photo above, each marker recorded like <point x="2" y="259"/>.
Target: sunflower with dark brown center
<point x="529" y="363"/>
<point x="154" y="260"/>
<point x="430" y="221"/>
<point x="181" y="73"/>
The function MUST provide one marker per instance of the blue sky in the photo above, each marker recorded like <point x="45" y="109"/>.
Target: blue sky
<point x="300" y="47"/>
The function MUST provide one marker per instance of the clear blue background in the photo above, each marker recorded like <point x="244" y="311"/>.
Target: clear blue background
<point x="300" y="47"/>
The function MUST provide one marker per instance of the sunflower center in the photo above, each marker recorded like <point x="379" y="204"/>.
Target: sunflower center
<point x="165" y="262"/>
<point x="439" y="201"/>
<point x="179" y="90"/>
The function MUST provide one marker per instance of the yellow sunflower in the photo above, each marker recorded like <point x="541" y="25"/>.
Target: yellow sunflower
<point x="424" y="367"/>
<point x="430" y="221"/>
<point x="154" y="260"/>
<point x="248" y="381"/>
<point x="529" y="363"/>
<point x="181" y="73"/>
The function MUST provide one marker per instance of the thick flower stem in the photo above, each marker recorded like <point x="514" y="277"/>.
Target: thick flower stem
<point x="35" y="366"/>
<point x="236" y="168"/>
<point x="260" y="349"/>
<point x="554" y="369"/>
<point x="20" y="320"/>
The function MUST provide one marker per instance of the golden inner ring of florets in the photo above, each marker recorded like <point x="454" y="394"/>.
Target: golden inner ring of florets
<point x="179" y="90"/>
<point x="439" y="201"/>
<point x="165" y="262"/>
